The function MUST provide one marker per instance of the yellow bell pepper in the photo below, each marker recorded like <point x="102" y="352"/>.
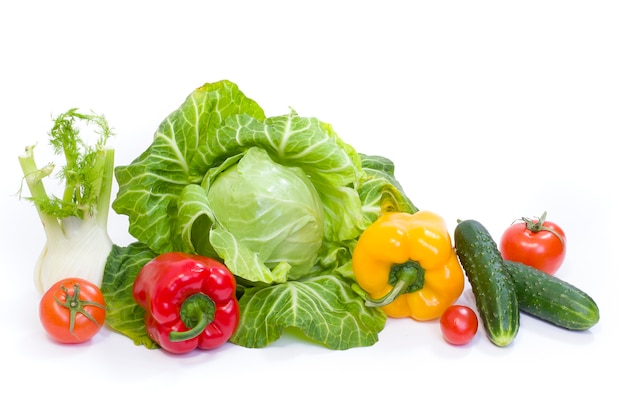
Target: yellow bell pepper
<point x="407" y="265"/>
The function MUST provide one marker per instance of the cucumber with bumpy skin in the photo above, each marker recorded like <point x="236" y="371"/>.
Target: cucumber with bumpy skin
<point x="489" y="278"/>
<point x="551" y="299"/>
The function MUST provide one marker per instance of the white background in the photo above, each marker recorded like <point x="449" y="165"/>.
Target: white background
<point x="490" y="110"/>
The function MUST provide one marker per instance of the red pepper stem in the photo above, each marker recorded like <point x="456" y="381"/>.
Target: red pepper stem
<point x="405" y="277"/>
<point x="197" y="312"/>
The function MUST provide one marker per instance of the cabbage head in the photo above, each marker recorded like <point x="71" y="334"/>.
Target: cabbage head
<point x="272" y="209"/>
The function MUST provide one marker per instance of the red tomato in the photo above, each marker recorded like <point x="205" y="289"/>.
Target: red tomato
<point x="72" y="310"/>
<point x="459" y="324"/>
<point x="537" y="243"/>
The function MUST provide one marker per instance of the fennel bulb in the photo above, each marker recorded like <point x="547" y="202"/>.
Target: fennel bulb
<point x="76" y="248"/>
<point x="77" y="240"/>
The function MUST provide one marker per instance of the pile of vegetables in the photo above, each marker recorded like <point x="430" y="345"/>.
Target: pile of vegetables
<point x="281" y="201"/>
<point x="504" y="287"/>
<point x="247" y="225"/>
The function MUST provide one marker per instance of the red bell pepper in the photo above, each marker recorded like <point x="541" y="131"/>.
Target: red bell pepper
<point x="190" y="301"/>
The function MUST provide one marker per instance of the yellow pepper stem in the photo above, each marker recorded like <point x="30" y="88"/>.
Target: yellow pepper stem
<point x="405" y="277"/>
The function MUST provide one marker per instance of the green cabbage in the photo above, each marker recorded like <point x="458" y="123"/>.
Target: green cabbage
<point x="272" y="209"/>
<point x="280" y="200"/>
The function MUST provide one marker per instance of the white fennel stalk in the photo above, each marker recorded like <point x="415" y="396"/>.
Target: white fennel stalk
<point x="77" y="240"/>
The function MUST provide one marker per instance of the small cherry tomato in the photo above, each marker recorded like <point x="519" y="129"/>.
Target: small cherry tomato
<point x="459" y="324"/>
<point x="72" y="310"/>
<point x="535" y="242"/>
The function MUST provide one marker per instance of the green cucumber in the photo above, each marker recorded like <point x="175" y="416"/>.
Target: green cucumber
<point x="551" y="299"/>
<point x="489" y="278"/>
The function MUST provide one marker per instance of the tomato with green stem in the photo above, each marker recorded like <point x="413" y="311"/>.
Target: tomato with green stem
<point x="538" y="242"/>
<point x="73" y="310"/>
<point x="459" y="324"/>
